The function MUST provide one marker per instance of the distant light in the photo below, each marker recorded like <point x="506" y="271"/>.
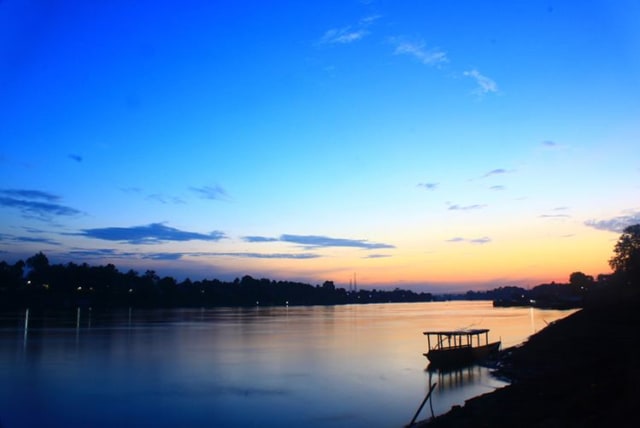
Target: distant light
<point x="79" y="288"/>
<point x="131" y="290"/>
<point x="257" y="302"/>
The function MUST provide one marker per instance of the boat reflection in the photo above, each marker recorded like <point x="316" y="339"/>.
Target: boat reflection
<point x="454" y="378"/>
<point x="454" y="386"/>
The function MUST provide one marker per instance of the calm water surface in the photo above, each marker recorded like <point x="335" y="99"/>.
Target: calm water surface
<point x="333" y="366"/>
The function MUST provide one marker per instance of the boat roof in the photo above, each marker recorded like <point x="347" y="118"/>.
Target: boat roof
<point x="458" y="332"/>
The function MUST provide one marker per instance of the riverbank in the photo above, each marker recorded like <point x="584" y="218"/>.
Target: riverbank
<point x="583" y="370"/>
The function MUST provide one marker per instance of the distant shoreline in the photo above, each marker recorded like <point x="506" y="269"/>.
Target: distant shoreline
<point x="38" y="284"/>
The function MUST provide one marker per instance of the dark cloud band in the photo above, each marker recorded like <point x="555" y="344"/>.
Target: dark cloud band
<point x="318" y="241"/>
<point x="153" y="233"/>
<point x="35" y="203"/>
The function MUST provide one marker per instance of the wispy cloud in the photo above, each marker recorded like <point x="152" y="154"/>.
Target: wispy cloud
<point x="485" y="84"/>
<point x="456" y="207"/>
<point x="164" y="199"/>
<point x="35" y="204"/>
<point x="317" y="241"/>
<point x="497" y="171"/>
<point x="211" y="192"/>
<point x="342" y="35"/>
<point x="476" y="241"/>
<point x="34" y="230"/>
<point x="616" y="224"/>
<point x="368" y="20"/>
<point x="27" y="239"/>
<point x="30" y="194"/>
<point x="156" y="197"/>
<point x="348" y="34"/>
<point x="76" y="158"/>
<point x="419" y="51"/>
<point x="36" y="240"/>
<point x="429" y="186"/>
<point x="110" y="253"/>
<point x="497" y="188"/>
<point x="162" y="256"/>
<point x="131" y="189"/>
<point x="293" y="256"/>
<point x="557" y="213"/>
<point x="551" y="145"/>
<point x="259" y="239"/>
<point x="483" y="240"/>
<point x="153" y="233"/>
<point x="377" y="256"/>
<point x="324" y="241"/>
<point x="102" y="252"/>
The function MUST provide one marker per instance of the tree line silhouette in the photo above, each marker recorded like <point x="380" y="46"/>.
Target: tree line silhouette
<point x="37" y="283"/>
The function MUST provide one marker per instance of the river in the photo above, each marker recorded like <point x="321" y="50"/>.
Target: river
<point x="319" y="366"/>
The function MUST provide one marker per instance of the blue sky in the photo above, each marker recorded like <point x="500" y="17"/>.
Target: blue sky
<point x="418" y="143"/>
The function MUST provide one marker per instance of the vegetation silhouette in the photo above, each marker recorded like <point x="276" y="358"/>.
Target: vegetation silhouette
<point x="626" y="259"/>
<point x="37" y="283"/>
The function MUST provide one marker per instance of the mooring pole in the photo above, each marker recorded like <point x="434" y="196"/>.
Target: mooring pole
<point x="413" y="421"/>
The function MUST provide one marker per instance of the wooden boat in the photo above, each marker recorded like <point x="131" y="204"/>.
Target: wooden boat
<point x="459" y="347"/>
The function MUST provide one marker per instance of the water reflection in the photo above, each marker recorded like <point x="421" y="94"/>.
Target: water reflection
<point x="26" y="328"/>
<point x="454" y="386"/>
<point x="455" y="378"/>
<point x="352" y="366"/>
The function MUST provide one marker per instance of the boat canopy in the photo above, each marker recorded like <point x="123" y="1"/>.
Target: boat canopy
<point x="473" y="331"/>
<point x="457" y="338"/>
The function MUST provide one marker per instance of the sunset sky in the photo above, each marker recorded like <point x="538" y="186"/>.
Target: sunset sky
<point x="431" y="144"/>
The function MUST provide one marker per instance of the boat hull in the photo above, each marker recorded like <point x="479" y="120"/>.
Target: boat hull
<point x="461" y="356"/>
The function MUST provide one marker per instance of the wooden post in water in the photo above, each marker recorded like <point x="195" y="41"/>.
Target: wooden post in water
<point x="413" y="421"/>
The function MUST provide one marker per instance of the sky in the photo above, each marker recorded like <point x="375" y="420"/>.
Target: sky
<point x="426" y="145"/>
